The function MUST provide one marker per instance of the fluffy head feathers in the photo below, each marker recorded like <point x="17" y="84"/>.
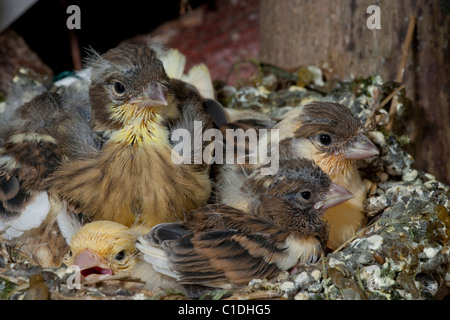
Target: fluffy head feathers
<point x="104" y="243"/>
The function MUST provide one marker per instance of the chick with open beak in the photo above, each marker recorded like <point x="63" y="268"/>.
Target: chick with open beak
<point x="102" y="249"/>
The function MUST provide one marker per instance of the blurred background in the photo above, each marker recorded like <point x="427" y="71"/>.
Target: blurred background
<point x="289" y="34"/>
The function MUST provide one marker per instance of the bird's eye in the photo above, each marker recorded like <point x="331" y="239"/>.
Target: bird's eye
<point x="305" y="195"/>
<point x="325" y="139"/>
<point x="121" y="255"/>
<point x="119" y="88"/>
<point x="70" y="253"/>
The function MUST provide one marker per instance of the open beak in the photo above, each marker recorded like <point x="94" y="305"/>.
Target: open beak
<point x="335" y="195"/>
<point x="154" y="95"/>
<point x="361" y="148"/>
<point x="91" y="266"/>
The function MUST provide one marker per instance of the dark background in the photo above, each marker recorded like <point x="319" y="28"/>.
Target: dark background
<point x="104" y="24"/>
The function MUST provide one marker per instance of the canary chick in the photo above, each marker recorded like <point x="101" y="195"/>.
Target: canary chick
<point x="103" y="248"/>
<point x="221" y="246"/>
<point x="132" y="178"/>
<point x="329" y="134"/>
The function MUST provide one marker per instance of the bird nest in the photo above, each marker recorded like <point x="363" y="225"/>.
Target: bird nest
<point x="401" y="253"/>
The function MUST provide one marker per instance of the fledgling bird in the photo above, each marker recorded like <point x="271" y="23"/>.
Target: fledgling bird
<point x="103" y="150"/>
<point x="329" y="134"/>
<point x="132" y="178"/>
<point x="221" y="246"/>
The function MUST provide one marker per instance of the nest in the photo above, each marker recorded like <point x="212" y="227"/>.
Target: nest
<point x="402" y="252"/>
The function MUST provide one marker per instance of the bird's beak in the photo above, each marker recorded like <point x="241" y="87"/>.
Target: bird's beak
<point x="154" y="95"/>
<point x="335" y="195"/>
<point x="361" y="148"/>
<point x="91" y="266"/>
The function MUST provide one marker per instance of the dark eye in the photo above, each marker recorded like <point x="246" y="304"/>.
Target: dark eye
<point x="121" y="255"/>
<point x="305" y="195"/>
<point x="119" y="88"/>
<point x="325" y="139"/>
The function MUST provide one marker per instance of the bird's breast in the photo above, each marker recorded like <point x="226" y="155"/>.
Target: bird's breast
<point x="141" y="133"/>
<point x="150" y="186"/>
<point x="132" y="183"/>
<point x="300" y="249"/>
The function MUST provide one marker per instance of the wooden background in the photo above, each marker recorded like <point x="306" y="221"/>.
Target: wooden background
<point x="333" y="36"/>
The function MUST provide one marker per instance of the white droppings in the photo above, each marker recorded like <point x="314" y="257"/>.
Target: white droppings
<point x="332" y="262"/>
<point x="302" y="279"/>
<point x="373" y="278"/>
<point x="301" y="296"/>
<point x="430" y="252"/>
<point x="375" y="242"/>
<point x="287" y="286"/>
<point x="316" y="274"/>
<point x="410" y="175"/>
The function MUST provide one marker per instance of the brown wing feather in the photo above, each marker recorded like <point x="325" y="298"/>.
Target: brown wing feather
<point x="29" y="152"/>
<point x="223" y="244"/>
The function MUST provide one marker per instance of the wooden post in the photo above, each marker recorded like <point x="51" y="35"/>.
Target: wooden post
<point x="333" y="35"/>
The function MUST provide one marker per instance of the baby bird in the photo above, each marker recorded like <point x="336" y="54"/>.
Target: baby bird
<point x="104" y="248"/>
<point x="132" y="178"/>
<point x="329" y="134"/>
<point x="220" y="246"/>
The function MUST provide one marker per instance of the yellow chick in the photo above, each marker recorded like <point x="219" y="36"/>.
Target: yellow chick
<point x="105" y="248"/>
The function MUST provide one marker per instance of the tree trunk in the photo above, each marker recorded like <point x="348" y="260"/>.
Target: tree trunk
<point x="333" y="35"/>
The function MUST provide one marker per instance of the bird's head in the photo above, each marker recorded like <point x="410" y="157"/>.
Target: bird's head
<point x="332" y="136"/>
<point x="102" y="249"/>
<point x="130" y="91"/>
<point x="297" y="195"/>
